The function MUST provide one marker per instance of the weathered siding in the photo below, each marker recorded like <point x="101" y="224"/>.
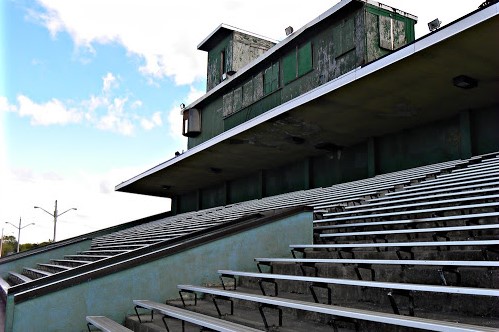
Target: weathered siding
<point x="211" y="123"/>
<point x="214" y="72"/>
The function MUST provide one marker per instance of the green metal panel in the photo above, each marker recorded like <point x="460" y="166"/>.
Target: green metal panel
<point x="423" y="145"/>
<point x="187" y="202"/>
<point x="213" y="196"/>
<point x="244" y="189"/>
<point x="304" y="58"/>
<point x="485" y="130"/>
<point x="286" y="179"/>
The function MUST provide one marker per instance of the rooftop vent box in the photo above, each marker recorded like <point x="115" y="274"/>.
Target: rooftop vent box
<point x="191" y="122"/>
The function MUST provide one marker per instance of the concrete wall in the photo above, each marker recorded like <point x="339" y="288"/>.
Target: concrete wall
<point x="112" y="295"/>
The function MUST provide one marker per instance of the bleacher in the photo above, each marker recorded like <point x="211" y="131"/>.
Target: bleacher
<point x="414" y="249"/>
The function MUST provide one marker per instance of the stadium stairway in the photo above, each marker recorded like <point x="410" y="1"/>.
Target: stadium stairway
<point x="363" y="230"/>
<point x="422" y="255"/>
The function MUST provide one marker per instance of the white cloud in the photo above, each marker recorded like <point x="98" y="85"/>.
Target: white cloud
<point x="108" y="82"/>
<point x="48" y="113"/>
<point x="154" y="121"/>
<point x="5" y="106"/>
<point x="165" y="33"/>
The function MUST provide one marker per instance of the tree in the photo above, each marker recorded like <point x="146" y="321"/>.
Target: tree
<point x="9" y="245"/>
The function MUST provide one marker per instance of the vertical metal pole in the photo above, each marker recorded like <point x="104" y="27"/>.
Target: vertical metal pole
<point x="55" y="218"/>
<point x="19" y="235"/>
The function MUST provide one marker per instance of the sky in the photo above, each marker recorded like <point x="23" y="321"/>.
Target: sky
<point x="90" y="93"/>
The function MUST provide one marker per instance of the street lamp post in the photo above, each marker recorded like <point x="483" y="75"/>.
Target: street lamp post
<point x="1" y="243"/>
<point x="55" y="215"/>
<point x="19" y="231"/>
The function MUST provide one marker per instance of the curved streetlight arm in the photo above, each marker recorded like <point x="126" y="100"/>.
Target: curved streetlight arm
<point x="12" y="224"/>
<point x="27" y="225"/>
<point x="66" y="211"/>
<point x="37" y="207"/>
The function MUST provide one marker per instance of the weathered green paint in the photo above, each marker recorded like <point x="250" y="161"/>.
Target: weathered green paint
<point x="214" y="72"/>
<point x="213" y="196"/>
<point x="338" y="46"/>
<point x="112" y="295"/>
<point x="43" y="257"/>
<point x="465" y="134"/>
<point x="285" y="179"/>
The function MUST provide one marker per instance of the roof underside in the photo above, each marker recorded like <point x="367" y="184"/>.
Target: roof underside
<point x="410" y="87"/>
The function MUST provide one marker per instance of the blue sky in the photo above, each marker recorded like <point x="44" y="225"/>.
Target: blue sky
<point x="89" y="95"/>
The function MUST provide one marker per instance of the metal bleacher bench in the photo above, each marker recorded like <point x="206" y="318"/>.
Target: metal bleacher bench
<point x="406" y="245"/>
<point x="205" y="321"/>
<point x="385" y="318"/>
<point x="321" y="282"/>
<point x="105" y="324"/>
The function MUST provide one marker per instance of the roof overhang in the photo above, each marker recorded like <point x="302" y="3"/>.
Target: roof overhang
<point x="222" y="31"/>
<point x="407" y="88"/>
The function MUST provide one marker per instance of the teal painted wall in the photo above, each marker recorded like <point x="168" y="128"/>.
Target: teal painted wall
<point x="213" y="196"/>
<point x="42" y="257"/>
<point x="112" y="295"/>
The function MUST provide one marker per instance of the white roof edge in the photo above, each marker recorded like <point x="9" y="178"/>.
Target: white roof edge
<point x="288" y="39"/>
<point x="419" y="45"/>
<point x="233" y="28"/>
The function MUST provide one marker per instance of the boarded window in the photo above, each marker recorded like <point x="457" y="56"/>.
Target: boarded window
<point x="297" y="63"/>
<point x="247" y="93"/>
<point x="238" y="99"/>
<point x="289" y="67"/>
<point x="344" y="37"/>
<point x="304" y="59"/>
<point x="391" y="33"/>
<point x="271" y="79"/>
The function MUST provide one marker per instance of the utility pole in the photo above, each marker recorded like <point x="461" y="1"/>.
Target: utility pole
<point x="19" y="231"/>
<point x="55" y="215"/>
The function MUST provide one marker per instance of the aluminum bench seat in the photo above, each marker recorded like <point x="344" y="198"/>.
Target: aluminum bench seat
<point x="409" y="221"/>
<point x="209" y="322"/>
<point x="366" y="283"/>
<point x="423" y="197"/>
<point x="474" y="199"/>
<point x="385" y="318"/>
<point x="407" y="212"/>
<point x="415" y="262"/>
<point x="403" y="195"/>
<point x="413" y="231"/>
<point x="302" y="247"/>
<point x="105" y="324"/>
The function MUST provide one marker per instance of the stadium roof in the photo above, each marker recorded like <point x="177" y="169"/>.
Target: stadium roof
<point x="411" y="86"/>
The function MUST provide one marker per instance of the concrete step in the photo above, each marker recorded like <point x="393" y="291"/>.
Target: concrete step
<point x="35" y="273"/>
<point x="88" y="258"/>
<point x="69" y="262"/>
<point x="53" y="268"/>
<point x="15" y="278"/>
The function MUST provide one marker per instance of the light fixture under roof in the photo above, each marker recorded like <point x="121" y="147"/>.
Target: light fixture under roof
<point x="464" y="82"/>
